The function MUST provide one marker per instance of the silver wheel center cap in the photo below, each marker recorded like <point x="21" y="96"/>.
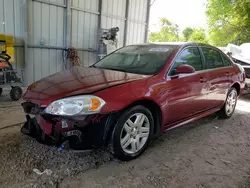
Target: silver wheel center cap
<point x="134" y="132"/>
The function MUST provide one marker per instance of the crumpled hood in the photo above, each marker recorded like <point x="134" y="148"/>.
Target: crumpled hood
<point x="75" y="81"/>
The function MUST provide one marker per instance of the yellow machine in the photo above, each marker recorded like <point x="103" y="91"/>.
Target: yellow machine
<point x="7" y="46"/>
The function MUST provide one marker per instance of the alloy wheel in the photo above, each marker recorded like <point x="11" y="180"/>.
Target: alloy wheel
<point x="231" y="102"/>
<point x="135" y="133"/>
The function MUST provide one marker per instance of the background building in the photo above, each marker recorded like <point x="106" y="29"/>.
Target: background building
<point x="43" y="28"/>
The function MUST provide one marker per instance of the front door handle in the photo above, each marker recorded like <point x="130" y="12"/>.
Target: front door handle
<point x="203" y="80"/>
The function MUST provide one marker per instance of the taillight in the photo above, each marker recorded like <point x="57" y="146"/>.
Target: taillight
<point x="244" y="76"/>
<point x="242" y="71"/>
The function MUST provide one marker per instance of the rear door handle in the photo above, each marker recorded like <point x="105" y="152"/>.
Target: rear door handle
<point x="202" y="80"/>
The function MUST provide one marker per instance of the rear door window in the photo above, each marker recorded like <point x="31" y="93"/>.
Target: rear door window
<point x="213" y="58"/>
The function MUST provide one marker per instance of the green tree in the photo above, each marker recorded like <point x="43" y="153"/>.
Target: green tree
<point x="198" y="35"/>
<point x="187" y="32"/>
<point x="229" y="21"/>
<point x="169" y="32"/>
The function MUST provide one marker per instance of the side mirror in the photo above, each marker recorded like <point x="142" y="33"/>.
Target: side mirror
<point x="184" y="69"/>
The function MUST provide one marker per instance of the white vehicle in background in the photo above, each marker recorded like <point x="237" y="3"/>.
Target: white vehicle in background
<point x="240" y="55"/>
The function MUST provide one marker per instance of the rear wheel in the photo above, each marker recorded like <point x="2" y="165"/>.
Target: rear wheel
<point x="1" y="91"/>
<point x="16" y="93"/>
<point x="230" y="104"/>
<point x="132" y="133"/>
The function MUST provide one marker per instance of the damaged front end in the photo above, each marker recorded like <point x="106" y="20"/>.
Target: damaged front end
<point x="80" y="132"/>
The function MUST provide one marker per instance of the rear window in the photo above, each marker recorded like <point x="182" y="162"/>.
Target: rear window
<point x="138" y="59"/>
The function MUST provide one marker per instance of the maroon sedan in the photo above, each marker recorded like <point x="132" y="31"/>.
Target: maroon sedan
<point x="125" y="99"/>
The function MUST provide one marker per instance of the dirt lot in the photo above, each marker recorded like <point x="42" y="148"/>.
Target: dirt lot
<point x="209" y="153"/>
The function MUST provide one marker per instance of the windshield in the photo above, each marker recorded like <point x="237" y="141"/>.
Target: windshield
<point x="139" y="59"/>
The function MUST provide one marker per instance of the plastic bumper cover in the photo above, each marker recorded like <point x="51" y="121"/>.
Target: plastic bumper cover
<point x="91" y="132"/>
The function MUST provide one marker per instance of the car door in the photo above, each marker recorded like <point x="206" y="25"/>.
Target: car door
<point x="186" y="93"/>
<point x="229" y="69"/>
<point x="219" y="75"/>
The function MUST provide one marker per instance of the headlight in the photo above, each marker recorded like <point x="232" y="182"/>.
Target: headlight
<point x="78" y="105"/>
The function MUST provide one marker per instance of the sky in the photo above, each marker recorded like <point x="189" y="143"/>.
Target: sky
<point x="182" y="12"/>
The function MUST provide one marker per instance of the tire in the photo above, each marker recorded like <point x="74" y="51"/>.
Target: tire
<point x="230" y="104"/>
<point x="16" y="93"/>
<point x="135" y="137"/>
<point x="1" y="91"/>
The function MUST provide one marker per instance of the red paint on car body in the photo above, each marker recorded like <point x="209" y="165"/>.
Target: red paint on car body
<point x="181" y="98"/>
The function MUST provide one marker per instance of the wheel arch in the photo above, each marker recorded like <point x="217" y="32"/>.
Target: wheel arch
<point x="153" y="107"/>
<point x="236" y="85"/>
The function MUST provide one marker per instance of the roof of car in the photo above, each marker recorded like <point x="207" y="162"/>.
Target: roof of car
<point x="165" y="43"/>
<point x="175" y="43"/>
<point x="171" y="43"/>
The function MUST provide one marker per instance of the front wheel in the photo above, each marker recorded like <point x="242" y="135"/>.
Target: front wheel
<point x="230" y="104"/>
<point x="132" y="133"/>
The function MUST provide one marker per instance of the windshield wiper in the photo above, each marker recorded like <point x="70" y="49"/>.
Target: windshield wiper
<point x="108" y="68"/>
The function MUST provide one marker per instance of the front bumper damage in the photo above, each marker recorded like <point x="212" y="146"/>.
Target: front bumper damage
<point x="81" y="133"/>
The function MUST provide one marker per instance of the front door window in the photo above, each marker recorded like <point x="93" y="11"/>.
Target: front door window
<point x="190" y="56"/>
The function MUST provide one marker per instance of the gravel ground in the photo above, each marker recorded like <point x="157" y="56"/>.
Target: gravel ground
<point x="10" y="112"/>
<point x="209" y="153"/>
